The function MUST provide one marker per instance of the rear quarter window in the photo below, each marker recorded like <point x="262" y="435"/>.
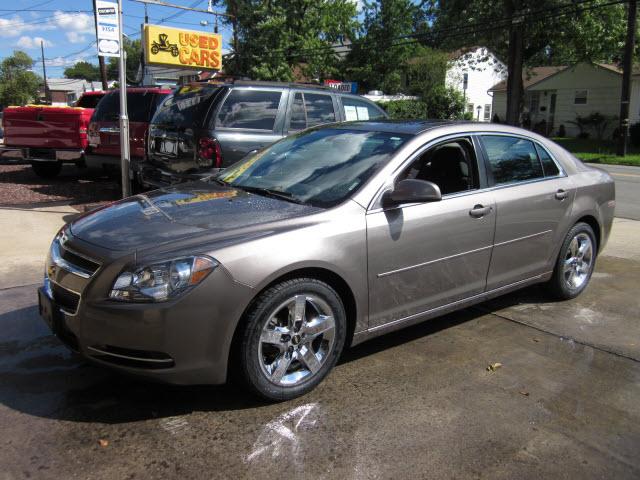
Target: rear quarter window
<point x="250" y="109"/>
<point x="355" y="109"/>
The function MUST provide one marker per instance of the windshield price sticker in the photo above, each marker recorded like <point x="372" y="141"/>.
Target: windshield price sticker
<point x="107" y="31"/>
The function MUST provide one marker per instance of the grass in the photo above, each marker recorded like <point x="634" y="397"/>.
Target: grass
<point x="594" y="151"/>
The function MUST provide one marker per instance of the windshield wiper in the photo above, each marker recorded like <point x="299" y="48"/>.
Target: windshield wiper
<point x="271" y="193"/>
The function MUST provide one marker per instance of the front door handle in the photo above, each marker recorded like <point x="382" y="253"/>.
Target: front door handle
<point x="479" y="211"/>
<point x="561" y="195"/>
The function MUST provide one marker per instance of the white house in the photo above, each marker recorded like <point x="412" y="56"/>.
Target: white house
<point x="473" y="72"/>
<point x="555" y="96"/>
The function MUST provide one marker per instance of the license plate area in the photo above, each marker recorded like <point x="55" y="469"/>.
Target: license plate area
<point x="49" y="311"/>
<point x="168" y="147"/>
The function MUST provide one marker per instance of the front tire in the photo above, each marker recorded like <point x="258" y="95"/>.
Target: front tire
<point x="575" y="263"/>
<point x="46" y="169"/>
<point x="291" y="338"/>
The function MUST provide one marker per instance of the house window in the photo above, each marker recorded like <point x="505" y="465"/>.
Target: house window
<point x="470" y="108"/>
<point x="580" y="97"/>
<point x="534" y="104"/>
<point x="487" y="112"/>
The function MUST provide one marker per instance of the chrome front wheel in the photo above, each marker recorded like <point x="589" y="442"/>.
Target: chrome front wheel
<point x="291" y="338"/>
<point x="297" y="339"/>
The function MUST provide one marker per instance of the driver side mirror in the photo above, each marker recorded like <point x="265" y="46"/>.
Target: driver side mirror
<point x="412" y="191"/>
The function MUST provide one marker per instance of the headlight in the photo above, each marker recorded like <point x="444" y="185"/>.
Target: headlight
<point x="161" y="281"/>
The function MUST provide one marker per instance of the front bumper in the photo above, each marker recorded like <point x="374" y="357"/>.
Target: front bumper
<point x="183" y="341"/>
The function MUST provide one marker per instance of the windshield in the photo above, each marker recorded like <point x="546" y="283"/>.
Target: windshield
<point x="186" y="107"/>
<point x="320" y="167"/>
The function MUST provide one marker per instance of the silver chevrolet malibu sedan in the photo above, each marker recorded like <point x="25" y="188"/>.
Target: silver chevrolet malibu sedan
<point x="265" y="271"/>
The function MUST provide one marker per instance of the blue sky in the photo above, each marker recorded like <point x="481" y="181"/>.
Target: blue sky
<point x="67" y="28"/>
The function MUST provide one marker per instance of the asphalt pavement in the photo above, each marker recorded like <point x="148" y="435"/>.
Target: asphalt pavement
<point x="418" y="403"/>
<point x="627" y="189"/>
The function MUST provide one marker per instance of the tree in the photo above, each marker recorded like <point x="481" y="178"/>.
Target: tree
<point x="83" y="70"/>
<point x="133" y="49"/>
<point x="274" y="38"/>
<point x="18" y="84"/>
<point x="528" y="33"/>
<point x="384" y="45"/>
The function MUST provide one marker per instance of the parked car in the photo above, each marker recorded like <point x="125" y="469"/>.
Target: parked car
<point x="49" y="136"/>
<point x="104" y="128"/>
<point x="327" y="238"/>
<point x="202" y="127"/>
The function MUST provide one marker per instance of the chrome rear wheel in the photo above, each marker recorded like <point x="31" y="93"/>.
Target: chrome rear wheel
<point x="578" y="261"/>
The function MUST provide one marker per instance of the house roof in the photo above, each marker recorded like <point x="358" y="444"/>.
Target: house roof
<point x="530" y="77"/>
<point x="71" y="85"/>
<point x="535" y="75"/>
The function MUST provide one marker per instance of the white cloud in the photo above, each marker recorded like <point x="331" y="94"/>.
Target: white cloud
<point x="27" y="42"/>
<point x="75" y="37"/>
<point x="73" y="22"/>
<point x="15" y="26"/>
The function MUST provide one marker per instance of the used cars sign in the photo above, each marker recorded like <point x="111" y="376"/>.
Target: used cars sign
<point x="183" y="48"/>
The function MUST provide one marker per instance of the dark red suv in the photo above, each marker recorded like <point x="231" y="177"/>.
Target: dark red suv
<point x="104" y="129"/>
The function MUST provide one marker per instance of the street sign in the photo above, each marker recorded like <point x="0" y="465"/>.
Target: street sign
<point x="182" y="48"/>
<point x="107" y="30"/>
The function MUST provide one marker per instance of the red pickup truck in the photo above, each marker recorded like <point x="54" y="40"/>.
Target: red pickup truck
<point x="48" y="136"/>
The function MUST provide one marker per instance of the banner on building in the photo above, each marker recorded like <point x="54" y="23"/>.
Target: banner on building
<point x="107" y="30"/>
<point x="347" y="87"/>
<point x="182" y="48"/>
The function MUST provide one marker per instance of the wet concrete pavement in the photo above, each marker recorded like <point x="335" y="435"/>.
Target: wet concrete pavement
<point x="418" y="403"/>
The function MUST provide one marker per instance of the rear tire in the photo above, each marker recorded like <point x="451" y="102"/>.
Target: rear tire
<point x="291" y="338"/>
<point x="575" y="263"/>
<point x="46" y="169"/>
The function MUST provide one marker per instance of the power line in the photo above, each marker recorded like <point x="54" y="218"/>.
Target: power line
<point x="32" y="6"/>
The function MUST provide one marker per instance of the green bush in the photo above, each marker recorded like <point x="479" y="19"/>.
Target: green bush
<point x="440" y="104"/>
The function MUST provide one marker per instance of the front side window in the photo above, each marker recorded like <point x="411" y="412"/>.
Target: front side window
<point x="581" y="97"/>
<point x="251" y="109"/>
<point x="355" y="109"/>
<point x="320" y="167"/>
<point x="512" y="159"/>
<point x="450" y="165"/>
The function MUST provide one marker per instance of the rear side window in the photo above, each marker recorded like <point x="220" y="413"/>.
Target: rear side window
<point x="252" y="109"/>
<point x="140" y="107"/>
<point x="360" y="110"/>
<point x="548" y="165"/>
<point x="512" y="159"/>
<point x="311" y="109"/>
<point x="186" y="107"/>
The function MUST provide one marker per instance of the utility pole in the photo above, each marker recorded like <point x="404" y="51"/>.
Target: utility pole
<point x="625" y="97"/>
<point x="124" y="119"/>
<point x="101" y="64"/>
<point x="44" y="72"/>
<point x="514" y="64"/>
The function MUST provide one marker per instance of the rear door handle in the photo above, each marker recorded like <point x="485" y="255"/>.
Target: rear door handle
<point x="479" y="211"/>
<point x="561" y="195"/>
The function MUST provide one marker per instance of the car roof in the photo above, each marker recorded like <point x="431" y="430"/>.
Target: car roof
<point x="411" y="127"/>
<point x="145" y="90"/>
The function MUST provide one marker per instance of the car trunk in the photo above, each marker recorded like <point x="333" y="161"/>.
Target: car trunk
<point x="46" y="127"/>
<point x="178" y="134"/>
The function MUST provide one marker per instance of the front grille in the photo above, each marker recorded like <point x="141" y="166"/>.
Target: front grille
<point x="65" y="299"/>
<point x="77" y="260"/>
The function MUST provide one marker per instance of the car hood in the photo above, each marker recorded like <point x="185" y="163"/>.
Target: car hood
<point x="180" y="212"/>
